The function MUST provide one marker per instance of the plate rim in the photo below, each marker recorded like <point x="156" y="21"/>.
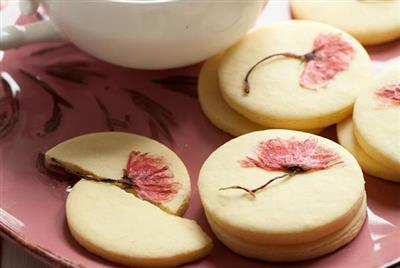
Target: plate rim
<point x="37" y="251"/>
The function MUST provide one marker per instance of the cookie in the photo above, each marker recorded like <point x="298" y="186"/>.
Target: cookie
<point x="372" y="22"/>
<point x="294" y="75"/>
<point x="376" y="119"/>
<point x="214" y="106"/>
<point x="122" y="228"/>
<point x="295" y="252"/>
<point x="283" y="192"/>
<point x="217" y="110"/>
<point x="114" y="155"/>
<point x="369" y="165"/>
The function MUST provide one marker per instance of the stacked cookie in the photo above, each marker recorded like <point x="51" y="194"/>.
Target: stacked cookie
<point x="127" y="203"/>
<point x="296" y="75"/>
<point x="372" y="135"/>
<point x="215" y="107"/>
<point x="282" y="195"/>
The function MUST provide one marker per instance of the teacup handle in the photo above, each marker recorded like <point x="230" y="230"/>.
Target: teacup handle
<point x="14" y="36"/>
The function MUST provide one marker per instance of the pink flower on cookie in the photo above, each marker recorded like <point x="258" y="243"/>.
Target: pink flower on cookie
<point x="389" y="94"/>
<point x="330" y="55"/>
<point x="290" y="156"/>
<point x="150" y="177"/>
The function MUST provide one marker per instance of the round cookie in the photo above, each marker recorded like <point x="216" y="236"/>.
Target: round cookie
<point x="372" y="22"/>
<point x="119" y="227"/>
<point x="215" y="107"/>
<point x="322" y="198"/>
<point x="300" y="89"/>
<point x="376" y="119"/>
<point x="369" y="165"/>
<point x="106" y="154"/>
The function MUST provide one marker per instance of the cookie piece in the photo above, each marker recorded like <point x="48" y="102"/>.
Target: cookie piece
<point x="108" y="154"/>
<point x="376" y="119"/>
<point x="215" y="107"/>
<point x="311" y="82"/>
<point x="372" y="22"/>
<point x="369" y="165"/>
<point x="119" y="227"/>
<point x="282" y="188"/>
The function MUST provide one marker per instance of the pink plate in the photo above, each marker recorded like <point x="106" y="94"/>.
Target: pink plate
<point x="52" y="92"/>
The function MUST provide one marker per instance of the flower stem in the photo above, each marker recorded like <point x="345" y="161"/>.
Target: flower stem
<point x="303" y="58"/>
<point x="252" y="192"/>
<point x="246" y="87"/>
<point x="63" y="170"/>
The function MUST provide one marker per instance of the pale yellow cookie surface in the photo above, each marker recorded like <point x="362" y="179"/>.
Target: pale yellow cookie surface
<point x="276" y="98"/>
<point x="295" y="252"/>
<point x="368" y="164"/>
<point x="215" y="107"/>
<point x="370" y="21"/>
<point x="105" y="154"/>
<point x="377" y="122"/>
<point x="292" y="210"/>
<point x="119" y="227"/>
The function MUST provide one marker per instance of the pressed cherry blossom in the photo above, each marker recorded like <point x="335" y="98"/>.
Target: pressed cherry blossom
<point x="150" y="177"/>
<point x="281" y="154"/>
<point x="330" y="55"/>
<point x="389" y="94"/>
<point x="290" y="156"/>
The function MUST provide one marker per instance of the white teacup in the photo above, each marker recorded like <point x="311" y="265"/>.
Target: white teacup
<point x="145" y="34"/>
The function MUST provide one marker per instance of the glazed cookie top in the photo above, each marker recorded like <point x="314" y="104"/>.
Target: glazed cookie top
<point x="144" y="163"/>
<point x="384" y="25"/>
<point x="377" y="119"/>
<point x="311" y="83"/>
<point x="320" y="189"/>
